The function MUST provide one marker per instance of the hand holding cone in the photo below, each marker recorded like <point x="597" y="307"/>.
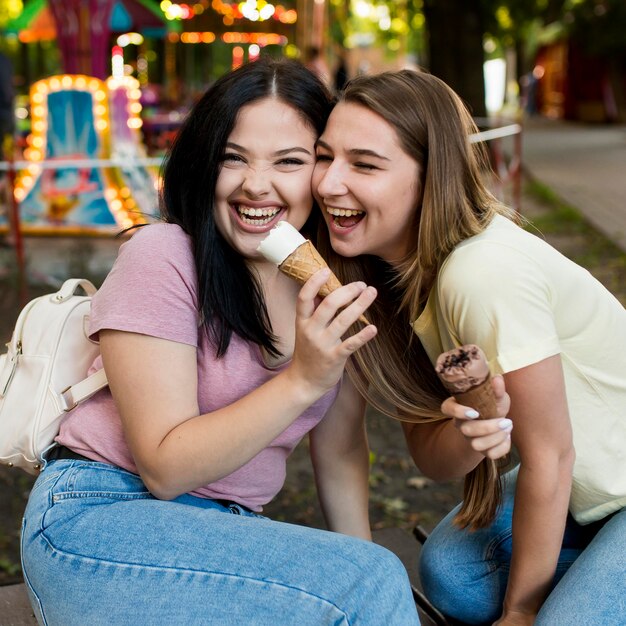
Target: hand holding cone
<point x="465" y="374"/>
<point x="297" y="257"/>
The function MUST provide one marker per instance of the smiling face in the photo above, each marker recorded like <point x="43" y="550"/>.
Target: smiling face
<point x="265" y="175"/>
<point x="367" y="186"/>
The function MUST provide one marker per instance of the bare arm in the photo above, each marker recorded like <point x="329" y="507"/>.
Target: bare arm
<point x="451" y="448"/>
<point x="340" y="456"/>
<point x="154" y="384"/>
<point x="543" y="437"/>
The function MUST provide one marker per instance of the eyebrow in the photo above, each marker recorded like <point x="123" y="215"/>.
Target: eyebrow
<point x="355" y="151"/>
<point x="230" y="144"/>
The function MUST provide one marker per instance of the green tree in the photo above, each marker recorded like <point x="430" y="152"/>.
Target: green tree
<point x="599" y="28"/>
<point x="455" y="48"/>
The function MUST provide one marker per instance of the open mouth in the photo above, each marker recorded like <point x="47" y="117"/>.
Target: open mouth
<point x="256" y="217"/>
<point x="345" y="218"/>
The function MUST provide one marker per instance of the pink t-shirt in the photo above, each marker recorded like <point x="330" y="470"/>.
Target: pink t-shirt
<point x="152" y="290"/>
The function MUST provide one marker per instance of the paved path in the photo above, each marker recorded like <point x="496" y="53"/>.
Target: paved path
<point x="585" y="165"/>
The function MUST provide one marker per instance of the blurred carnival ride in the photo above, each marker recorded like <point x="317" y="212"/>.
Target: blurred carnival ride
<point x="85" y="170"/>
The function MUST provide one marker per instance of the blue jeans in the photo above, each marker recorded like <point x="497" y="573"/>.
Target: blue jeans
<point x="99" y="549"/>
<point x="465" y="573"/>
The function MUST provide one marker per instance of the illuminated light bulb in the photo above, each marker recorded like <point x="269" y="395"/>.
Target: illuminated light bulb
<point x="134" y="123"/>
<point x="19" y="194"/>
<point x="66" y="82"/>
<point x="81" y="83"/>
<point x="267" y="11"/>
<point x="55" y="84"/>
<point x="116" y="204"/>
<point x="38" y="98"/>
<point x="39" y="111"/>
<point x="100" y="95"/>
<point x="253" y="52"/>
<point x="110" y="193"/>
<point x="102" y="124"/>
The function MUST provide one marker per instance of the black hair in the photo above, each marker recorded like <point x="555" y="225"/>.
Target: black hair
<point x="230" y="298"/>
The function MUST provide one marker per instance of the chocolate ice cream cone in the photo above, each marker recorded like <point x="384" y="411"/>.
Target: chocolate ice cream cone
<point x="481" y="398"/>
<point x="464" y="371"/>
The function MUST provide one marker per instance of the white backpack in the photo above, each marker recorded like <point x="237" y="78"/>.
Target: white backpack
<point x="44" y="373"/>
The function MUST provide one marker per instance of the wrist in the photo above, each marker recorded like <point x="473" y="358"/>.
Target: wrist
<point x="299" y="384"/>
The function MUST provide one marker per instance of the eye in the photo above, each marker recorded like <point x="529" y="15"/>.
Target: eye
<point x="321" y="158"/>
<point x="231" y="157"/>
<point x="365" y="166"/>
<point x="290" y="161"/>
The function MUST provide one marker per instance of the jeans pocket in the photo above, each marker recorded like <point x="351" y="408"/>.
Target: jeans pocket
<point x="99" y="481"/>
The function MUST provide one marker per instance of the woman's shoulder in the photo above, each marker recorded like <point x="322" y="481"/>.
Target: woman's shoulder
<point x="503" y="253"/>
<point x="158" y="233"/>
<point x="148" y="244"/>
<point x="502" y="242"/>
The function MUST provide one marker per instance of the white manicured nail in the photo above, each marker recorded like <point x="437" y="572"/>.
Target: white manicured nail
<point x="471" y="414"/>
<point x="505" y="424"/>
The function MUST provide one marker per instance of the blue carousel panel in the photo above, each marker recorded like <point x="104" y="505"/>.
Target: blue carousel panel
<point x="69" y="196"/>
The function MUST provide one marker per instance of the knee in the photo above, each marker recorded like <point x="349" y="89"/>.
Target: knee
<point x="381" y="567"/>
<point x="459" y="588"/>
<point x="436" y="567"/>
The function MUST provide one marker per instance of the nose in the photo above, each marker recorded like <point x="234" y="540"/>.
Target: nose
<point x="255" y="183"/>
<point x="332" y="181"/>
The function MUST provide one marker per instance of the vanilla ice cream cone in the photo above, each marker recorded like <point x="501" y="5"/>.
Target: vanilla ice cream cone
<point x="303" y="262"/>
<point x="297" y="257"/>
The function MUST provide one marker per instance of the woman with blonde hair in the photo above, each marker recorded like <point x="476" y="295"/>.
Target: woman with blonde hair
<point x="401" y="189"/>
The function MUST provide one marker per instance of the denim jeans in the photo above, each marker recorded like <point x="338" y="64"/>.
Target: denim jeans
<point x="465" y="573"/>
<point x="99" y="549"/>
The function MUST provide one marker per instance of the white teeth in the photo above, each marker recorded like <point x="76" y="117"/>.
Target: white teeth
<point x="252" y="212"/>
<point x="247" y="220"/>
<point x="343" y="212"/>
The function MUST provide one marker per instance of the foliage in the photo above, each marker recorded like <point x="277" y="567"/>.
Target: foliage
<point x="396" y="26"/>
<point x="9" y="10"/>
<point x="599" y="26"/>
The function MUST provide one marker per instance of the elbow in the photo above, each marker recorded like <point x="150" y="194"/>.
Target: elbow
<point x="159" y="484"/>
<point x="567" y="459"/>
<point x="161" y="490"/>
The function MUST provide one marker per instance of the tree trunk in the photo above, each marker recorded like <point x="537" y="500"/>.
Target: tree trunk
<point x="455" y="46"/>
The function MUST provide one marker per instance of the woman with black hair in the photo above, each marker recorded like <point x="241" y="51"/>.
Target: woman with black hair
<point x="148" y="509"/>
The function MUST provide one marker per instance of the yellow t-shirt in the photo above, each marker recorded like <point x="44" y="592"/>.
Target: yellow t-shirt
<point x="521" y="301"/>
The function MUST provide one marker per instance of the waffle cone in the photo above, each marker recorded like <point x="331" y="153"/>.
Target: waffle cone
<point x="481" y="398"/>
<point x="303" y="262"/>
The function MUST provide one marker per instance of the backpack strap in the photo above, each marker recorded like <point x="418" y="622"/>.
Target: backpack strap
<point x="69" y="287"/>
<point x="83" y="390"/>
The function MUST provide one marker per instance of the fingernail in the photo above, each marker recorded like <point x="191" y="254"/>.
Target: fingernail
<point x="471" y="414"/>
<point x="361" y="285"/>
<point x="505" y="424"/>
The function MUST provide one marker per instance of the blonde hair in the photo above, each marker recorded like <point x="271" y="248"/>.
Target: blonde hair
<point x="394" y="372"/>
